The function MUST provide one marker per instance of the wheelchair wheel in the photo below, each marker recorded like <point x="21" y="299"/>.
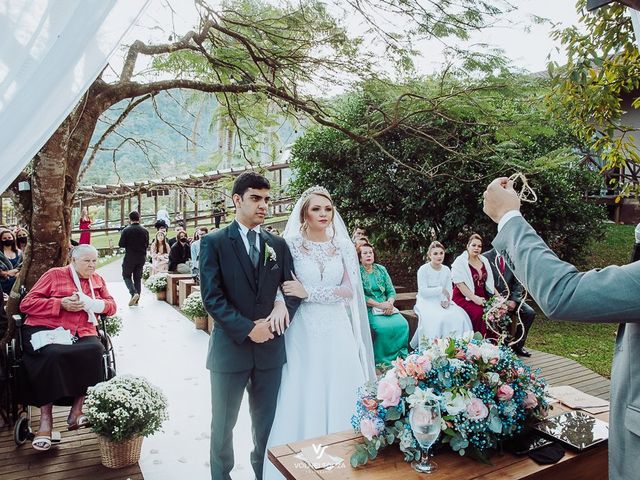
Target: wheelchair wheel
<point x="109" y="358"/>
<point x="22" y="430"/>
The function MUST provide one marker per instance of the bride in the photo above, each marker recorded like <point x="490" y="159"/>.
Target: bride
<point x="328" y="345"/>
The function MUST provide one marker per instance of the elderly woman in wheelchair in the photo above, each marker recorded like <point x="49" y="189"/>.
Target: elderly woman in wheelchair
<point x="62" y="352"/>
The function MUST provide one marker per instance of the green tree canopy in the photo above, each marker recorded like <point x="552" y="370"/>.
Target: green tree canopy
<point x="429" y="183"/>
<point x="602" y="71"/>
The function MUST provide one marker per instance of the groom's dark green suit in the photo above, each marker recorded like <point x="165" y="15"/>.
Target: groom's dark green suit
<point x="236" y="294"/>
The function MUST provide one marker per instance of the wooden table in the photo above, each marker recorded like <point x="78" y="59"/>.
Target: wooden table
<point x="172" y="286"/>
<point x="389" y="465"/>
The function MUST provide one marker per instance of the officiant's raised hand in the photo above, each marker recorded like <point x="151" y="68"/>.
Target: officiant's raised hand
<point x="279" y="317"/>
<point x="261" y="332"/>
<point x="500" y="198"/>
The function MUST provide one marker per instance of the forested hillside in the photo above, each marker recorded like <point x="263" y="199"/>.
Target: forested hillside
<point x="179" y="135"/>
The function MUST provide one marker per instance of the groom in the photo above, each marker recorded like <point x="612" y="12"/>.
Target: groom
<point x="241" y="269"/>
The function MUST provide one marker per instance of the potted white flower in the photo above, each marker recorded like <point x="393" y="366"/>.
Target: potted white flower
<point x="113" y="325"/>
<point x="146" y="271"/>
<point x="123" y="411"/>
<point x="158" y="284"/>
<point x="194" y="307"/>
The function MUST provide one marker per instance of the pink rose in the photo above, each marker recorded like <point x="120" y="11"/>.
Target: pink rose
<point x="476" y="409"/>
<point x="530" y="401"/>
<point x="389" y="392"/>
<point x="368" y="428"/>
<point x="398" y="363"/>
<point x="370" y="404"/>
<point x="505" y="392"/>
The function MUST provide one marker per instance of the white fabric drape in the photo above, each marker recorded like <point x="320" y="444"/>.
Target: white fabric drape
<point x="50" y="53"/>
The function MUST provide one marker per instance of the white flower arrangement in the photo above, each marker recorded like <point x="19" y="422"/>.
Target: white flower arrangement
<point x="125" y="407"/>
<point x="146" y="271"/>
<point x="157" y="283"/>
<point x="193" y="306"/>
<point x="113" y="325"/>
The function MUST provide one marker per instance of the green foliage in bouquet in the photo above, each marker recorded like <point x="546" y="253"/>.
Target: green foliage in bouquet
<point x="125" y="407"/>
<point x="157" y="283"/>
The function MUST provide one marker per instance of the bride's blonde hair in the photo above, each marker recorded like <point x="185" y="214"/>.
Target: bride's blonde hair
<point x="306" y="200"/>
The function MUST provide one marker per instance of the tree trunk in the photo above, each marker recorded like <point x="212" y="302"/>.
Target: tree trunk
<point x="46" y="208"/>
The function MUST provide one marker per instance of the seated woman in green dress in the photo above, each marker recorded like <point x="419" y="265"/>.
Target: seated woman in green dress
<point x="391" y="330"/>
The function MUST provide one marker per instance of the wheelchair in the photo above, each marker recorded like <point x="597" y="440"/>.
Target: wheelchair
<point x="15" y="389"/>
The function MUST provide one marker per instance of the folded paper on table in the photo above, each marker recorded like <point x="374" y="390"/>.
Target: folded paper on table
<point x="59" y="335"/>
<point x="574" y="398"/>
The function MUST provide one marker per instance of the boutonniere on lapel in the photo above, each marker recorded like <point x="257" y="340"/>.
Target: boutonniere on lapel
<point x="269" y="254"/>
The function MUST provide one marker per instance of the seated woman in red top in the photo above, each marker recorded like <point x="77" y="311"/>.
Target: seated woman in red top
<point x="68" y="297"/>
<point x="473" y="282"/>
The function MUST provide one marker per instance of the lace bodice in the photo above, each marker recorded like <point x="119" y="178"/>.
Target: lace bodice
<point x="320" y="268"/>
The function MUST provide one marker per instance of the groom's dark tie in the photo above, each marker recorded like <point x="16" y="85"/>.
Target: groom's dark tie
<point x="253" y="250"/>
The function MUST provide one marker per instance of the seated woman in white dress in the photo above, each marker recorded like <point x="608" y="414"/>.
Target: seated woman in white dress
<point x="438" y="316"/>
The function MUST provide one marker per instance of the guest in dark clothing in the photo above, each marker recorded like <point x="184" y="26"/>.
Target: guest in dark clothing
<point x="180" y="254"/>
<point x="135" y="241"/>
<point x="218" y="213"/>
<point x="173" y="240"/>
<point x="10" y="260"/>
<point x="511" y="286"/>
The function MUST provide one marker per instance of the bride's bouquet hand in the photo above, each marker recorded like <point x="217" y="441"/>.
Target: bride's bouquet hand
<point x="279" y="318"/>
<point x="293" y="288"/>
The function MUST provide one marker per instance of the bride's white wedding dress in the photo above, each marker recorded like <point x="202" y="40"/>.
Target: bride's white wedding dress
<point x="323" y="371"/>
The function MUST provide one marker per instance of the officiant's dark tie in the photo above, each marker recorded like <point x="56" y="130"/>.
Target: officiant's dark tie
<point x="253" y="250"/>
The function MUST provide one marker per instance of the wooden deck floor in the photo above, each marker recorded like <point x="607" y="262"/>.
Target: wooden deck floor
<point x="77" y="456"/>
<point x="563" y="371"/>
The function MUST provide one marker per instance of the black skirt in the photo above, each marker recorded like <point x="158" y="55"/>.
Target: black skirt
<point x="59" y="373"/>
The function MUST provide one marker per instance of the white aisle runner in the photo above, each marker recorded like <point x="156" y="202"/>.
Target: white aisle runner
<point x="159" y="343"/>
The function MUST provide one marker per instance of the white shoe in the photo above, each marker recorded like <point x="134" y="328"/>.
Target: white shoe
<point x="134" y="299"/>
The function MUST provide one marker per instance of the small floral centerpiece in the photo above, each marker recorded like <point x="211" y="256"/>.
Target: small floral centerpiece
<point x="157" y="283"/>
<point x="496" y="315"/>
<point x="146" y="271"/>
<point x="122" y="411"/>
<point x="113" y="325"/>
<point x="486" y="395"/>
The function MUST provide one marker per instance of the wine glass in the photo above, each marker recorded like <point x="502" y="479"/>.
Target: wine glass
<point x="425" y="421"/>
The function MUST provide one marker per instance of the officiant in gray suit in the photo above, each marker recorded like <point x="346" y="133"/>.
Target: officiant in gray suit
<point x="241" y="269"/>
<point x="609" y="295"/>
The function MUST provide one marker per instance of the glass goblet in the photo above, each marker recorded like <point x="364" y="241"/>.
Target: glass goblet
<point x="425" y="421"/>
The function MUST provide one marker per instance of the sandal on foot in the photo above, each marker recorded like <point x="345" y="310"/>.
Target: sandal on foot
<point x="42" y="441"/>
<point x="81" y="422"/>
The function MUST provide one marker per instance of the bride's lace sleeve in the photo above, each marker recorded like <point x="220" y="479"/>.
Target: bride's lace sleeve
<point x="332" y="294"/>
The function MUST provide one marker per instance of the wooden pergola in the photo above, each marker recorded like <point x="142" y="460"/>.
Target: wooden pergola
<point x="133" y="192"/>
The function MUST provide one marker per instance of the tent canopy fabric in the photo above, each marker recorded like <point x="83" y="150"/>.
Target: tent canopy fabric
<point x="51" y="51"/>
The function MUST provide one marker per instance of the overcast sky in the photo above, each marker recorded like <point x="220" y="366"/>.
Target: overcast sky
<point x="525" y="43"/>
